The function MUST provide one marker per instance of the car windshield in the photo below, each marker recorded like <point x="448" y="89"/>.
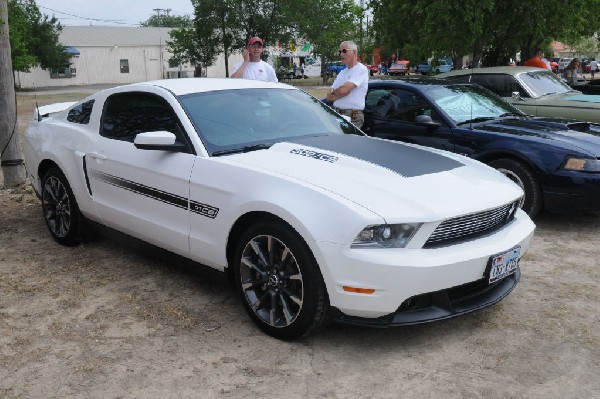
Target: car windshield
<point x="465" y="103"/>
<point x="230" y="121"/>
<point x="542" y="83"/>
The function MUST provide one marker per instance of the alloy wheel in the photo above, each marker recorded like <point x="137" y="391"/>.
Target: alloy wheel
<point x="57" y="207"/>
<point x="271" y="281"/>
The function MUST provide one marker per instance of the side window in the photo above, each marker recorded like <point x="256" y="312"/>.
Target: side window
<point x="502" y="85"/>
<point x="81" y="113"/>
<point x="399" y="105"/>
<point x="127" y="114"/>
<point x="378" y="103"/>
<point x="459" y="78"/>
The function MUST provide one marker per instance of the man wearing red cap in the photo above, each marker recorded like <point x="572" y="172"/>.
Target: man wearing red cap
<point x="252" y="67"/>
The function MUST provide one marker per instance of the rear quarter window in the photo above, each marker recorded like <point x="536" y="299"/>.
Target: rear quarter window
<point x="81" y="113"/>
<point x="502" y="85"/>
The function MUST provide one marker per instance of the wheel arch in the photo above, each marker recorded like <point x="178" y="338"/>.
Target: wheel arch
<point x="489" y="157"/>
<point x="241" y="224"/>
<point x="45" y="166"/>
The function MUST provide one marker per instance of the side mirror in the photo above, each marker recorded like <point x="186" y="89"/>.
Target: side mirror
<point x="426" y="120"/>
<point x="159" y="140"/>
<point x="516" y="96"/>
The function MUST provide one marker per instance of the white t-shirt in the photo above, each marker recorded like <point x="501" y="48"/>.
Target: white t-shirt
<point x="545" y="60"/>
<point x="359" y="75"/>
<point x="257" y="71"/>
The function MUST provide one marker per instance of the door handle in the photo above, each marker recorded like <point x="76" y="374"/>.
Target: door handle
<point x="97" y="155"/>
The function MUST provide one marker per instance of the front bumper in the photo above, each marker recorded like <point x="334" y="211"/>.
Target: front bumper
<point x="572" y="192"/>
<point x="396" y="275"/>
<point x="443" y="304"/>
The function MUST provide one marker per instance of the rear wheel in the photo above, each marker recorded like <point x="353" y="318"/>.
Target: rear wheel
<point x="520" y="173"/>
<point x="63" y="218"/>
<point x="280" y="282"/>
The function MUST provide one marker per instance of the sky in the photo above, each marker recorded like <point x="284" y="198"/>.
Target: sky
<point x="111" y="12"/>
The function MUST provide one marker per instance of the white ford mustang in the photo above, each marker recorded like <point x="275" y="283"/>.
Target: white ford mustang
<point x="309" y="219"/>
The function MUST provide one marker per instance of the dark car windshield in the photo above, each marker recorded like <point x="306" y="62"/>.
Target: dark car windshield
<point x="541" y="83"/>
<point x="464" y="103"/>
<point x="230" y="121"/>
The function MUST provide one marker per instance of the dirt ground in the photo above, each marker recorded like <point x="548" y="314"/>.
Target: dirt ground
<point x="103" y="320"/>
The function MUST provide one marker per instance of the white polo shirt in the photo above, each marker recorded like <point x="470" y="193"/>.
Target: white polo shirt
<point x="257" y="71"/>
<point x="359" y="75"/>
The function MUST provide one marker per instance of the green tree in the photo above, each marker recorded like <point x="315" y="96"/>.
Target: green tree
<point x="488" y="29"/>
<point x="588" y="47"/>
<point x="220" y="20"/>
<point x="195" y="46"/>
<point x="34" y="37"/>
<point x="325" y="23"/>
<point x="168" y="21"/>
<point x="227" y="26"/>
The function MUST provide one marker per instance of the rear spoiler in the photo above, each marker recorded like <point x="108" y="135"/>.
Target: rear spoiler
<point x="47" y="110"/>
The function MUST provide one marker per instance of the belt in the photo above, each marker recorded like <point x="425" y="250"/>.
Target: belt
<point x="352" y="112"/>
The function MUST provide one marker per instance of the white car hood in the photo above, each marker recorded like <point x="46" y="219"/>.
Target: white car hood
<point x="389" y="178"/>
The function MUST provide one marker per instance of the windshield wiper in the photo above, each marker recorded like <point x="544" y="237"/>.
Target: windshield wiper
<point x="246" y="148"/>
<point x="479" y="119"/>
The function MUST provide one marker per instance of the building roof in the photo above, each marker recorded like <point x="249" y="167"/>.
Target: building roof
<point x="81" y="36"/>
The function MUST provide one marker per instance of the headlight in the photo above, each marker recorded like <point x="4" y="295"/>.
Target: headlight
<point x="582" y="165"/>
<point x="385" y="236"/>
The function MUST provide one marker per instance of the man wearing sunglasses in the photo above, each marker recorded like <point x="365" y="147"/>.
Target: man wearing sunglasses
<point x="252" y="67"/>
<point x="349" y="88"/>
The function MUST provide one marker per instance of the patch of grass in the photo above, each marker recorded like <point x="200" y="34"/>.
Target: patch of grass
<point x="162" y="311"/>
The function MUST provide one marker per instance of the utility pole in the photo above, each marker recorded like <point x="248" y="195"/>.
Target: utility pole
<point x="13" y="169"/>
<point x="160" y="56"/>
<point x="362" y="14"/>
<point x="158" y="11"/>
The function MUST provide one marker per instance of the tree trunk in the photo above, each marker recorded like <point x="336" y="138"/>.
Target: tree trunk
<point x="13" y="169"/>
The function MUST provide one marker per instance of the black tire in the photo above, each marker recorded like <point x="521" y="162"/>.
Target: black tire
<point x="61" y="212"/>
<point x="520" y="173"/>
<point x="279" y="281"/>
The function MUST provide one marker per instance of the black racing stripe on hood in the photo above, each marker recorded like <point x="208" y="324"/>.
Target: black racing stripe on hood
<point x="405" y="160"/>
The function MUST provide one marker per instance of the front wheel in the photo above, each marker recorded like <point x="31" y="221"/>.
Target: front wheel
<point x="524" y="178"/>
<point x="61" y="212"/>
<point x="280" y="282"/>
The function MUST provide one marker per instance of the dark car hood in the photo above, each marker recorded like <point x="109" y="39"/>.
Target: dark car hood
<point x="582" y="135"/>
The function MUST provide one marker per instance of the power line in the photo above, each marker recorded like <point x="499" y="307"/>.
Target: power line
<point x="92" y="19"/>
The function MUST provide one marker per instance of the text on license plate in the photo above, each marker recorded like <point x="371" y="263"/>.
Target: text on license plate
<point x="504" y="264"/>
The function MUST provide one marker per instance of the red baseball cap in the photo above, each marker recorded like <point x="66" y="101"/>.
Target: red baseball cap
<point x="255" y="39"/>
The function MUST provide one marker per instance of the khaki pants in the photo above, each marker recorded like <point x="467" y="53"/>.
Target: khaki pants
<point x="356" y="116"/>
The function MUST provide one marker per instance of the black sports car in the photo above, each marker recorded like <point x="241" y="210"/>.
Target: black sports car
<point x="555" y="161"/>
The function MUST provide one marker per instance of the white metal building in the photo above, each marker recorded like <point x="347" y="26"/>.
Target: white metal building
<point x="115" y="55"/>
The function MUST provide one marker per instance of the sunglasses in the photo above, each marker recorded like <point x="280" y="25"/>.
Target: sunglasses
<point x="344" y="50"/>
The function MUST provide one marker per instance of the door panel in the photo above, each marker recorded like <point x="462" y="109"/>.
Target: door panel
<point x="144" y="193"/>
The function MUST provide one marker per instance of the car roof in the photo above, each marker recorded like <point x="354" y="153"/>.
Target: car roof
<point x="197" y="85"/>
<point x="505" y="70"/>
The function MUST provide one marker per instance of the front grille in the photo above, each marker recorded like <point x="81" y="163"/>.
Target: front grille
<point x="471" y="226"/>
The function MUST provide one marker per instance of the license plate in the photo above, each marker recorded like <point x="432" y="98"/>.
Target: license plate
<point x="504" y="264"/>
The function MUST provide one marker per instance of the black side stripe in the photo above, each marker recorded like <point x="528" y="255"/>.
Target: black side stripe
<point x="159" y="195"/>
